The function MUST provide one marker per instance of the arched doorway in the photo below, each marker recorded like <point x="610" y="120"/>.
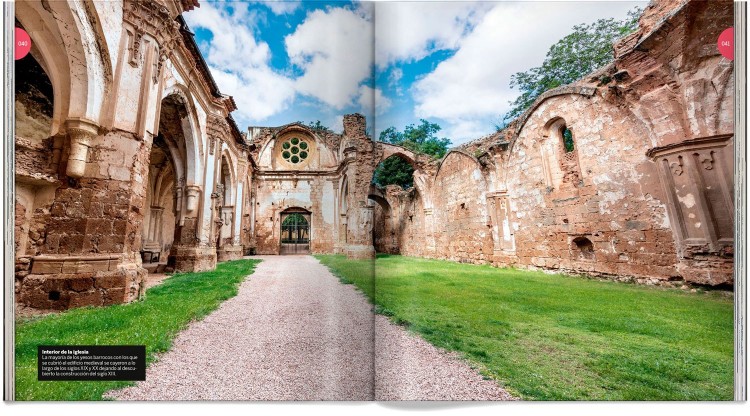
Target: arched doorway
<point x="295" y="231"/>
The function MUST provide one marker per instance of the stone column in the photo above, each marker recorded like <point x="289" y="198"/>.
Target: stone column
<point x="187" y="254"/>
<point x="359" y="234"/>
<point x="153" y="242"/>
<point x="360" y="148"/>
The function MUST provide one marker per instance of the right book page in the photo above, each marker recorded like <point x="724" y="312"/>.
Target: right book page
<point x="554" y="203"/>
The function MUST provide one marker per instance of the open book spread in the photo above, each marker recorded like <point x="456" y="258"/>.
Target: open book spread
<point x="372" y="201"/>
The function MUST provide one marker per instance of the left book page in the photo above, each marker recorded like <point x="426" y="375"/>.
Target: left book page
<point x="188" y="178"/>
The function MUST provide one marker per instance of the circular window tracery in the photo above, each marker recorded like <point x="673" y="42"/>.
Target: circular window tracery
<point x="295" y="150"/>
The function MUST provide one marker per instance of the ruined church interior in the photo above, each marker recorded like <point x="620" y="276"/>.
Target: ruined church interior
<point x="129" y="162"/>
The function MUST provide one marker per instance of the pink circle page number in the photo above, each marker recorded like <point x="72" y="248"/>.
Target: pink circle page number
<point x="23" y="43"/>
<point x="726" y="43"/>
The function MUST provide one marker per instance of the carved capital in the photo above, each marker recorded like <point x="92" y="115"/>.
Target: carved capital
<point x="81" y="133"/>
<point x="193" y="193"/>
<point x="153" y="19"/>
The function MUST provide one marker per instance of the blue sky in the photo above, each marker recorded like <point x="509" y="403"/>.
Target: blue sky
<point x="395" y="62"/>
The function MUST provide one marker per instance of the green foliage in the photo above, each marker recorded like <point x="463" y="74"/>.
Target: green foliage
<point x="394" y="171"/>
<point x="557" y="337"/>
<point x="154" y="322"/>
<point x="419" y="139"/>
<point x="568" y="140"/>
<point x="589" y="47"/>
<point x="317" y="125"/>
<point x="294" y="219"/>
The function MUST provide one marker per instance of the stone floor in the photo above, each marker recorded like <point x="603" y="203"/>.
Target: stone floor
<point x="294" y="332"/>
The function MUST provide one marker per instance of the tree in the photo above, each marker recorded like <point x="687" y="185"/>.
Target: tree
<point x="589" y="47"/>
<point x="419" y="139"/>
<point x="317" y="125"/>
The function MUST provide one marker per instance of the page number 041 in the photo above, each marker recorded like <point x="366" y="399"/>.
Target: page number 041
<point x="726" y="43"/>
<point x="23" y="43"/>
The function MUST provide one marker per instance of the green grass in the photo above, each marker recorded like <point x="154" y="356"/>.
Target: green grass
<point x="153" y="322"/>
<point x="556" y="337"/>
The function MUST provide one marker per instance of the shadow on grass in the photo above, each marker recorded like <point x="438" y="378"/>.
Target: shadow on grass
<point x="557" y="337"/>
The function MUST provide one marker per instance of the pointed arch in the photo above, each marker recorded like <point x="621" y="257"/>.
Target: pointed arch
<point x="67" y="40"/>
<point x="190" y="146"/>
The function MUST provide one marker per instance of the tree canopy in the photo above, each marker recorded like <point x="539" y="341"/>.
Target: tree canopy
<point x="421" y="138"/>
<point x="317" y="125"/>
<point x="588" y="48"/>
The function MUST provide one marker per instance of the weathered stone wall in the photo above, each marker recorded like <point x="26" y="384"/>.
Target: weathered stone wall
<point x="615" y="202"/>
<point x="310" y="193"/>
<point x="281" y="183"/>
<point x="460" y="214"/>
<point x="408" y="222"/>
<point x="646" y="193"/>
<point x="85" y="134"/>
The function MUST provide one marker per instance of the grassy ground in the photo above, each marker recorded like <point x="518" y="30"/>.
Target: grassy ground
<point x="555" y="337"/>
<point x="153" y="322"/>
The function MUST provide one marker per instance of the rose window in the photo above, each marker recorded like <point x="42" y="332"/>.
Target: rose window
<point x="294" y="150"/>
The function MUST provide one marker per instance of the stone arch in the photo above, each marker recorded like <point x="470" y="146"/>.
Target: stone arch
<point x="557" y="92"/>
<point x="228" y="162"/>
<point x="192" y="144"/>
<point x="456" y="152"/>
<point x="161" y="204"/>
<point x="295" y="230"/>
<point x="389" y="150"/>
<point x="80" y="70"/>
<point x="226" y="178"/>
<point x="34" y="99"/>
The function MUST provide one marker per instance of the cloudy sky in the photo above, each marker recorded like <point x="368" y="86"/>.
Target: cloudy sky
<point x="394" y="61"/>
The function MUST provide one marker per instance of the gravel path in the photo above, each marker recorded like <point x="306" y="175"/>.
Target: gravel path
<point x="294" y="332"/>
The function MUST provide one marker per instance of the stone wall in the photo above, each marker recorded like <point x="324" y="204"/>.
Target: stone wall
<point x="123" y="74"/>
<point x="614" y="201"/>
<point x="646" y="192"/>
<point x="460" y="213"/>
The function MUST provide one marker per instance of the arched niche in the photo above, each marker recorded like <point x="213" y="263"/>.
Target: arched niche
<point x="34" y="100"/>
<point x="161" y="213"/>
<point x="178" y="122"/>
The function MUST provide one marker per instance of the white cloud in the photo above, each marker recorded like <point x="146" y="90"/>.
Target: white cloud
<point x="471" y="89"/>
<point x="281" y="7"/>
<point x="240" y="64"/>
<point x="334" y="48"/>
<point x="372" y="99"/>
<point x="335" y="123"/>
<point x="259" y="93"/>
<point x="393" y="80"/>
<point x="409" y="31"/>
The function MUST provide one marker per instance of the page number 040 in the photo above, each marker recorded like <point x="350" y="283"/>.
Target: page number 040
<point x="23" y="43"/>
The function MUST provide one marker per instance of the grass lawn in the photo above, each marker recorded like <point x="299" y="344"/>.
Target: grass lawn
<point x="556" y="337"/>
<point x="153" y="322"/>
